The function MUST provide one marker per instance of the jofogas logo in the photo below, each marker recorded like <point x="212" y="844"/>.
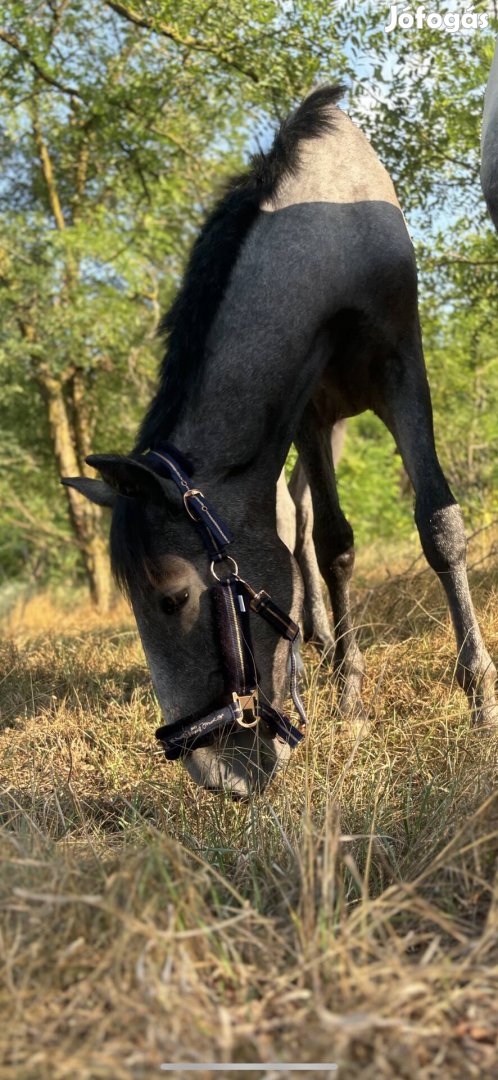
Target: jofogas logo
<point x="450" y="22"/>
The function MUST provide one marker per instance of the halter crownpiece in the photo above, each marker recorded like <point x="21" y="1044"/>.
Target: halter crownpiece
<point x="233" y="600"/>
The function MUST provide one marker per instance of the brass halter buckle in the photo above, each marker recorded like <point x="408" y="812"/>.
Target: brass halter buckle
<point x="248" y="703"/>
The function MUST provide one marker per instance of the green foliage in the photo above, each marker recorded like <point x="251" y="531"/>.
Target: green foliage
<point x="118" y="123"/>
<point x="372" y="485"/>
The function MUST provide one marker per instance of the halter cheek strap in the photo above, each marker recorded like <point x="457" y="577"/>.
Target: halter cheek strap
<point x="214" y="534"/>
<point x="233" y="600"/>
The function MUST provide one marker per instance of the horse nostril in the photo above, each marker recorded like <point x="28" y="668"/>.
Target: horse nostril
<point x="239" y="796"/>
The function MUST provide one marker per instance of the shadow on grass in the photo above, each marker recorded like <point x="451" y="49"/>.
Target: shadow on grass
<point x="80" y="672"/>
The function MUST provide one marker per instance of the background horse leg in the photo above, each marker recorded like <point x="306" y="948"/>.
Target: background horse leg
<point x="333" y="539"/>
<point x="286" y="514"/>
<point x="405" y="407"/>
<point x="316" y="624"/>
<point x="316" y="627"/>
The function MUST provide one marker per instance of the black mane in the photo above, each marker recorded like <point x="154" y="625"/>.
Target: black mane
<point x="186" y="325"/>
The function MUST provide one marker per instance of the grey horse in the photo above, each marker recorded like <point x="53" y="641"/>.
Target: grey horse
<point x="298" y="309"/>
<point x="489" y="141"/>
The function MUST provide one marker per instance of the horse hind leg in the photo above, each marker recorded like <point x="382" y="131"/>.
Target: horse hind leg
<point x="334" y="544"/>
<point x="404" y="404"/>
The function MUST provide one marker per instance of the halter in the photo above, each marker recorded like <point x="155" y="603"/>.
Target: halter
<point x="233" y="600"/>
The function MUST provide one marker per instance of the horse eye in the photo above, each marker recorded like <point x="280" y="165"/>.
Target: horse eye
<point x="171" y="604"/>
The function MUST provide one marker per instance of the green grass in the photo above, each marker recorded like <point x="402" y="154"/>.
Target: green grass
<point x="348" y="915"/>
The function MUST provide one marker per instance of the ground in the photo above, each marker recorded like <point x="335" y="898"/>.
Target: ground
<point x="347" y="916"/>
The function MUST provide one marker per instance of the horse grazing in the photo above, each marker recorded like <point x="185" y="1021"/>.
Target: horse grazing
<point x="489" y="141"/>
<point x="298" y="309"/>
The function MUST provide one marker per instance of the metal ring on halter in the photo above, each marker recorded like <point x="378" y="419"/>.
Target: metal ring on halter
<point x="226" y="558"/>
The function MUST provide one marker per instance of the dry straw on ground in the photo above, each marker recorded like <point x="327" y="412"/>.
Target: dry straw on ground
<point x="346" y="916"/>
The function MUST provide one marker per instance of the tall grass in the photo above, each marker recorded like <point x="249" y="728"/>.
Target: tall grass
<point x="347" y="916"/>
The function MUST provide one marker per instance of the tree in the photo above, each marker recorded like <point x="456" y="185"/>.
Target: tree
<point x="118" y="122"/>
<point x="115" y="119"/>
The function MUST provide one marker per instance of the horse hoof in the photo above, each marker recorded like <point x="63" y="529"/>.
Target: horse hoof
<point x="485" y="717"/>
<point x="357" y="724"/>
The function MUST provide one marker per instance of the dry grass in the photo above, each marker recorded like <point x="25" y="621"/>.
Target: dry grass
<point x="347" y="916"/>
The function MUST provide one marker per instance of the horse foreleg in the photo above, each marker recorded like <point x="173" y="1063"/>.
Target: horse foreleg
<point x="405" y="406"/>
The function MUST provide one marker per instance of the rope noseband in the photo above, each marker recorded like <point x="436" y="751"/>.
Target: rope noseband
<point x="233" y="600"/>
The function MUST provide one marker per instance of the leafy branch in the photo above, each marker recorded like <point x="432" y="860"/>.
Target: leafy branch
<point x="166" y="30"/>
<point x="38" y="67"/>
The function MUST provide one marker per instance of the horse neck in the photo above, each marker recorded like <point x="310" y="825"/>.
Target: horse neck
<point x="238" y="475"/>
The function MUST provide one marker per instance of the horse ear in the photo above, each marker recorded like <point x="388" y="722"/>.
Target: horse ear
<point x="128" y="477"/>
<point x="97" y="491"/>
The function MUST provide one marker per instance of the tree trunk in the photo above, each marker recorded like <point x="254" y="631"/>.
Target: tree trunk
<point x="70" y="427"/>
<point x="85" y="516"/>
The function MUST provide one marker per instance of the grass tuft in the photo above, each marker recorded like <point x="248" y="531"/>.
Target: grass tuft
<point x="349" y="915"/>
